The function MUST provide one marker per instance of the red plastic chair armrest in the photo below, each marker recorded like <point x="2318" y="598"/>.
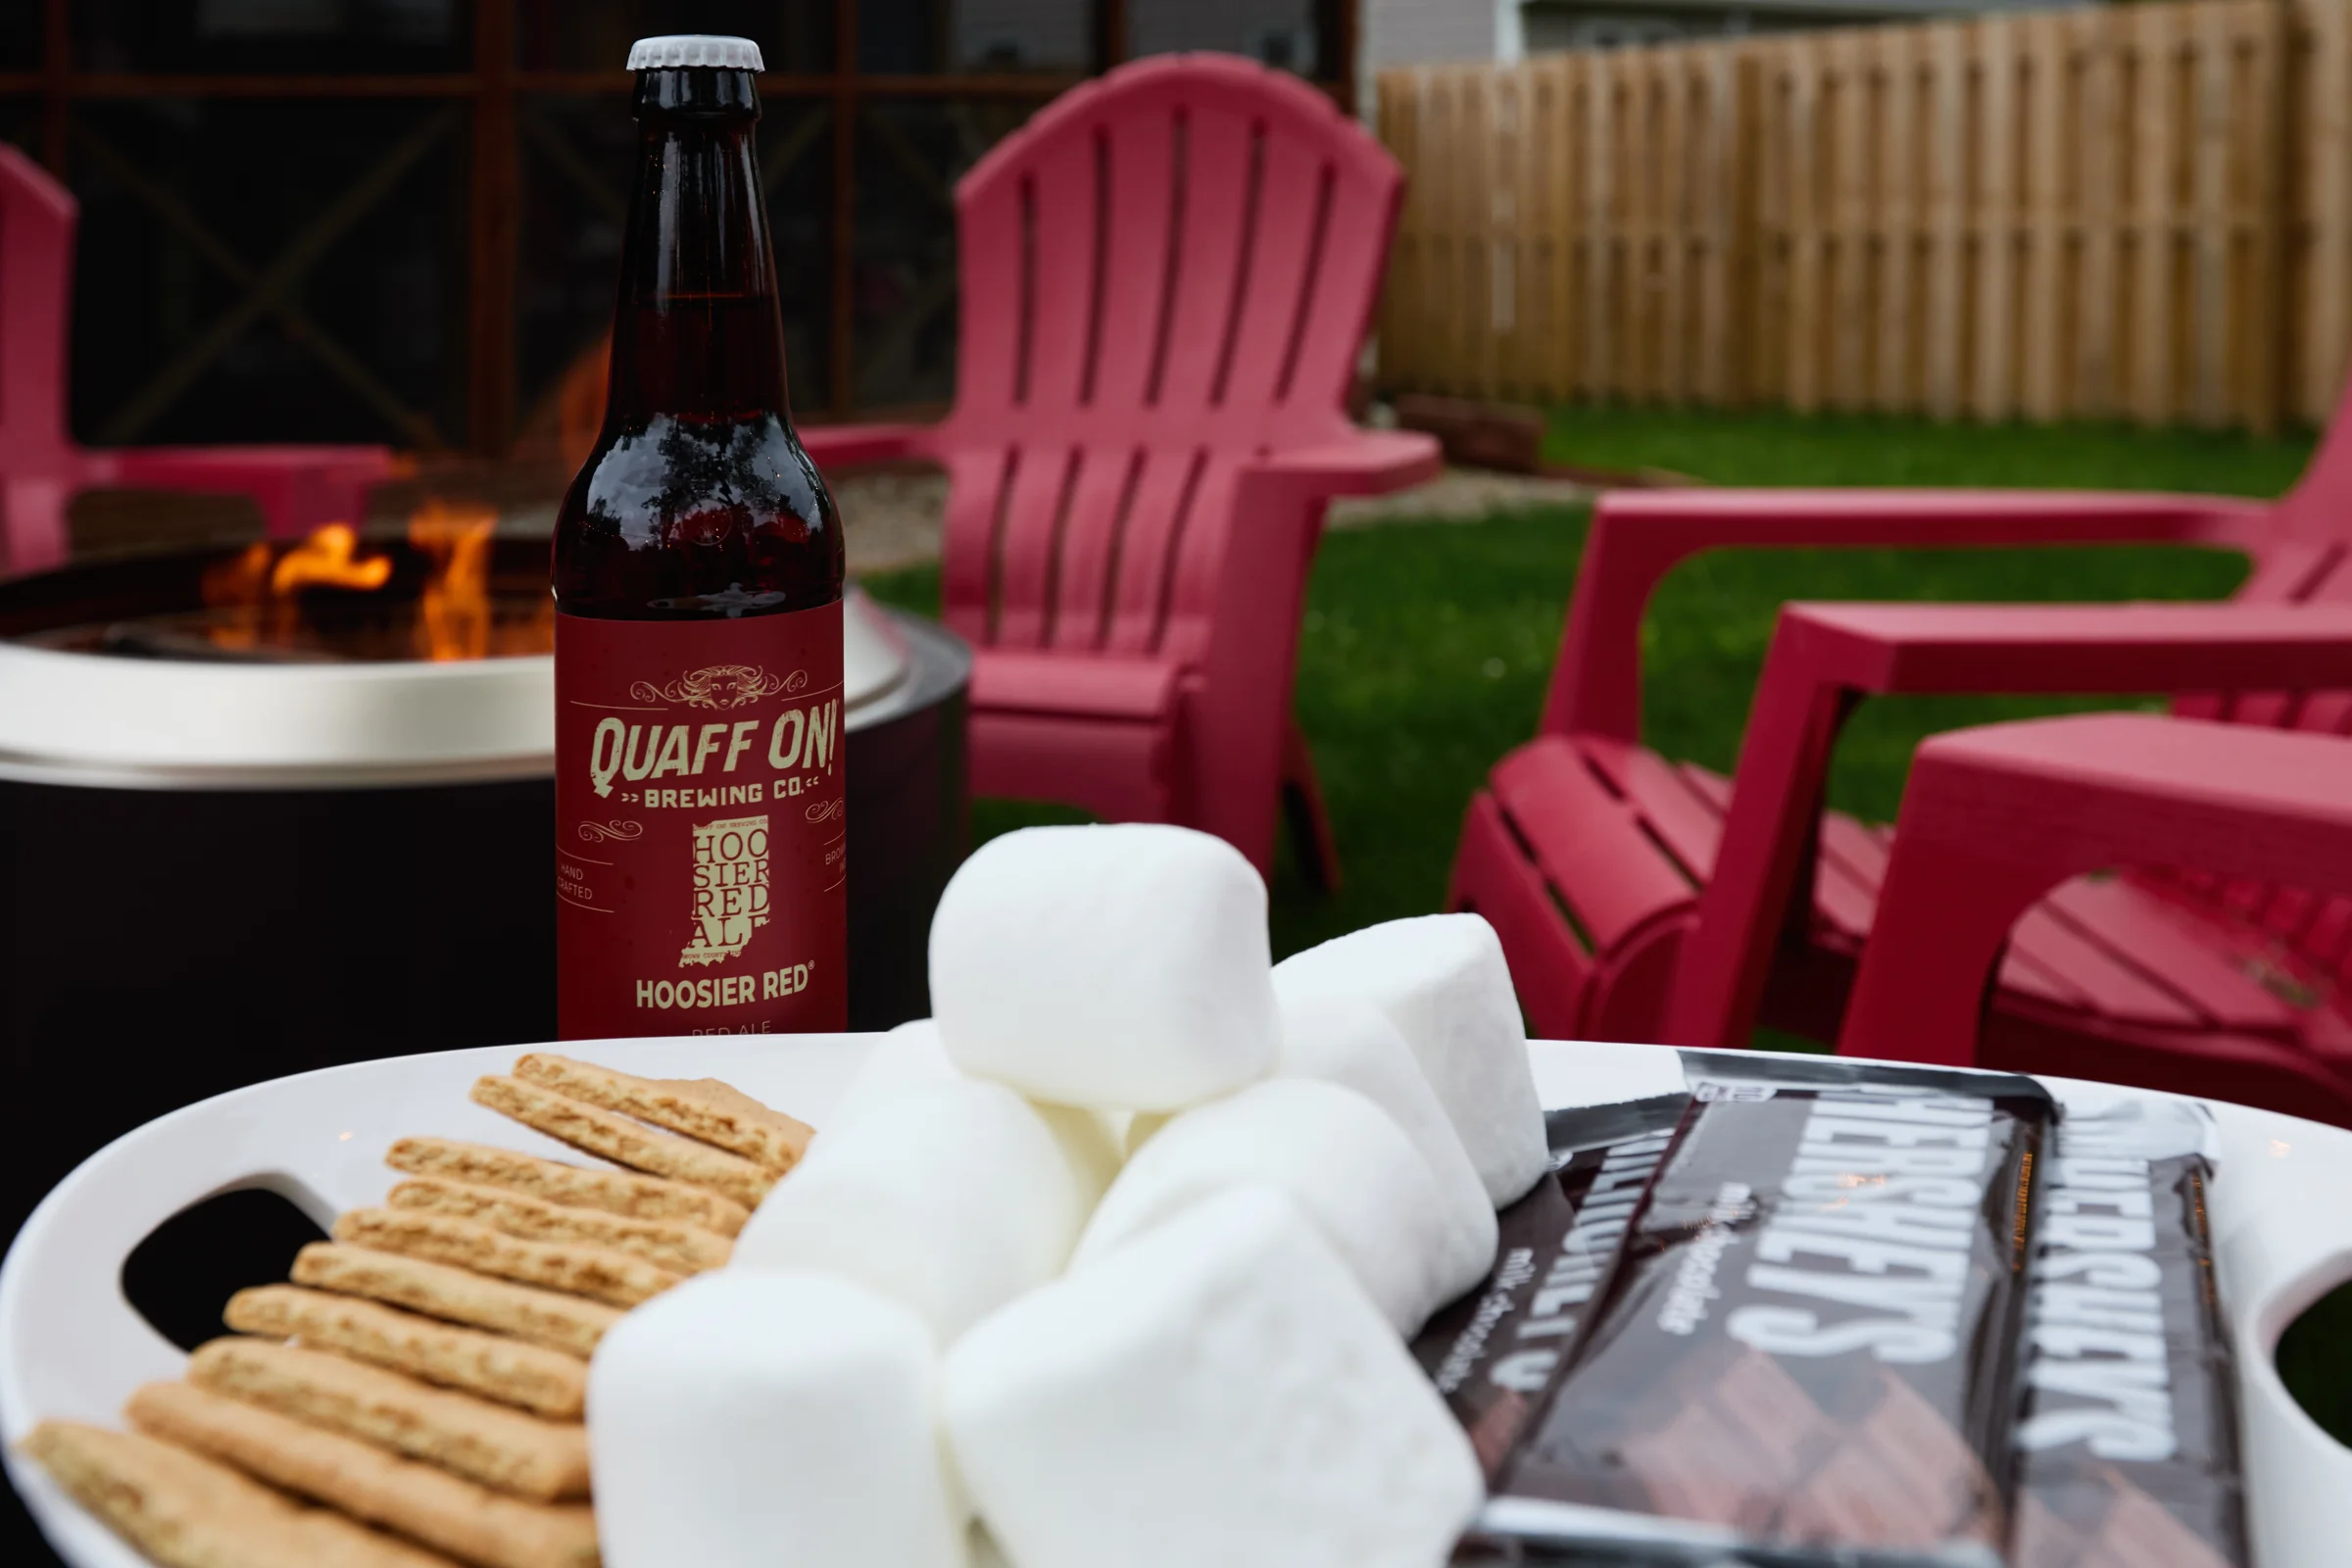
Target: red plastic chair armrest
<point x="1994" y="818"/>
<point x="1369" y="463"/>
<point x="1823" y="655"/>
<point x="1042" y="680"/>
<point x="850" y="445"/>
<point x="1897" y="515"/>
<point x="2077" y="649"/>
<point x="1638" y="536"/>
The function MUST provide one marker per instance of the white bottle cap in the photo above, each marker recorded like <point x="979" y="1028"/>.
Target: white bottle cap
<point x="695" y="49"/>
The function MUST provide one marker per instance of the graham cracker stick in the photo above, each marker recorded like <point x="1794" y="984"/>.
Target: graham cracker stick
<point x="700" y="1107"/>
<point x="549" y="1383"/>
<point x="624" y="1142"/>
<point x="442" y="1510"/>
<point x="503" y="1448"/>
<point x="615" y="1192"/>
<point x="543" y="1317"/>
<point x="665" y="1243"/>
<point x="183" y="1510"/>
<point x="597" y="1272"/>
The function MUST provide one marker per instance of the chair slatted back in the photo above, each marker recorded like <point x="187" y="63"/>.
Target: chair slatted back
<point x="1166" y="274"/>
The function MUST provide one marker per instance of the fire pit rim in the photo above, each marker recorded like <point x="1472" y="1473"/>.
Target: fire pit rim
<point x="90" y="718"/>
<point x="96" y="720"/>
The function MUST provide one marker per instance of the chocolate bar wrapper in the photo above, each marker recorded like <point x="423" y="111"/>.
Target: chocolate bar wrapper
<point x="1806" y="1351"/>
<point x="1495" y="1353"/>
<point x="2126" y="1436"/>
<point x="1804" y="1070"/>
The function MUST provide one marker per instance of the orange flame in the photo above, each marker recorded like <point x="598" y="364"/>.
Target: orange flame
<point x="257" y="588"/>
<point x="329" y="559"/>
<point x="453" y="618"/>
<point x="238" y="586"/>
<point x="256" y="597"/>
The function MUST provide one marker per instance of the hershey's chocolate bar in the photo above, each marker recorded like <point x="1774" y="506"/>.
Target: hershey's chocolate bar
<point x="1807" y="1348"/>
<point x="1495" y="1352"/>
<point x="2127" y="1438"/>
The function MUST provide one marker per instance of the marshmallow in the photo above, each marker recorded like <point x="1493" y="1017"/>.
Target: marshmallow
<point x="1119" y="967"/>
<point x="907" y="1058"/>
<point x="1217" y="1392"/>
<point x="1350" y="1169"/>
<point x="1145" y="1126"/>
<point x="1442" y="982"/>
<point x="1340" y="1040"/>
<point x="1094" y="1141"/>
<point x="952" y="1197"/>
<point x="752" y="1416"/>
<point x="910" y="1056"/>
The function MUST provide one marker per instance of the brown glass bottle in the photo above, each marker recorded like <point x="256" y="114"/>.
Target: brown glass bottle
<point x="698" y="579"/>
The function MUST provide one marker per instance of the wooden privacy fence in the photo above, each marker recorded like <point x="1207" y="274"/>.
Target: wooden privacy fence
<point x="2139" y="212"/>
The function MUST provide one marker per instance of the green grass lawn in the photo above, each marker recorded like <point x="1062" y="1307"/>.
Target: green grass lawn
<point x="1427" y="646"/>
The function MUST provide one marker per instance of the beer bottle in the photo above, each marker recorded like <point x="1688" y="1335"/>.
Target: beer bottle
<point x="700" y="861"/>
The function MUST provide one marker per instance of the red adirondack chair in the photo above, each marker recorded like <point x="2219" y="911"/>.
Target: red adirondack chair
<point x="41" y="469"/>
<point x="1167" y="277"/>
<point x="1994" y="818"/>
<point x="1644" y="900"/>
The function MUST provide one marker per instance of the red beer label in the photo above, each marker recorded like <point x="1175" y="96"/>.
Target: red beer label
<point x="701" y="867"/>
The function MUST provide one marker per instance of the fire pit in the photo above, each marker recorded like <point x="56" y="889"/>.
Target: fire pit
<point x="271" y="809"/>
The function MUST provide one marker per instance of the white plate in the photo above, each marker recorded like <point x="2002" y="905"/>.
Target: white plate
<point x="70" y="1345"/>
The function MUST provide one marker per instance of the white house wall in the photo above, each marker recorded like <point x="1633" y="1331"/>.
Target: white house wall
<point x="1412" y="32"/>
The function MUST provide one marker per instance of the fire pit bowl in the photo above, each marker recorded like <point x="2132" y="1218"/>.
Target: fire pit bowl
<point x="241" y="839"/>
<point x="118" y="675"/>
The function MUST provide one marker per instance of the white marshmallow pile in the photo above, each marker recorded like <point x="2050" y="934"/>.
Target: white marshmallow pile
<point x="1126" y="975"/>
<point x="724" y="1411"/>
<point x="950" y="1197"/>
<point x="907" y="1058"/>
<point x="1349" y="1169"/>
<point x="1442" y="980"/>
<point x="1342" y="1041"/>
<point x="1112" y="1261"/>
<point x="1215" y="1390"/>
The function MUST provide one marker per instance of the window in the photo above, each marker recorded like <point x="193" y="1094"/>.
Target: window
<point x="400" y="220"/>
